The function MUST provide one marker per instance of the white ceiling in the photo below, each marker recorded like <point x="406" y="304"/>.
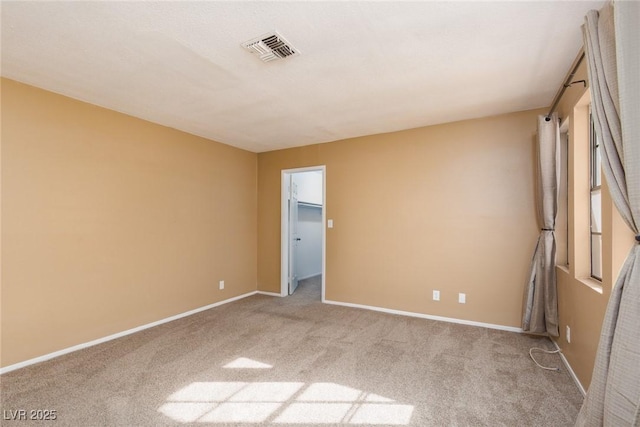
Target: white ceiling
<point x="364" y="68"/>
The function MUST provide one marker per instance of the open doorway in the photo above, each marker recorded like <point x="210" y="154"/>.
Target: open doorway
<point x="303" y="219"/>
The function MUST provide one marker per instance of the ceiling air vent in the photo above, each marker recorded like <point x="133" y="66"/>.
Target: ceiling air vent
<point x="270" y="47"/>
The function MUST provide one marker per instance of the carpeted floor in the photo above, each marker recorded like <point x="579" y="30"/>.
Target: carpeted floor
<point x="295" y="361"/>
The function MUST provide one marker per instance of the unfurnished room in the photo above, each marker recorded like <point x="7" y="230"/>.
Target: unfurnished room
<point x="314" y="213"/>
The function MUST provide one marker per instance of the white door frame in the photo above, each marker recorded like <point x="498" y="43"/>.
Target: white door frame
<point x="284" y="226"/>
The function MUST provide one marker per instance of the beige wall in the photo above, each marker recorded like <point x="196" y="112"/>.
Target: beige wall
<point x="446" y="207"/>
<point x="110" y="222"/>
<point x="582" y="301"/>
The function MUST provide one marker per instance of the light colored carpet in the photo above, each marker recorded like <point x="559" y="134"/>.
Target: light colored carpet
<point x="295" y="361"/>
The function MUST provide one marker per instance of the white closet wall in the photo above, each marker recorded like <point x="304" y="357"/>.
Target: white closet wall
<point x="309" y="250"/>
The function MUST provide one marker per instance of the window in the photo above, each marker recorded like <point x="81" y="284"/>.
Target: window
<point x="595" y="202"/>
<point x="564" y="191"/>
<point x="562" y="218"/>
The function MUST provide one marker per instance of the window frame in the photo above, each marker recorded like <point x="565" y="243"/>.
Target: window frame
<point x="595" y="187"/>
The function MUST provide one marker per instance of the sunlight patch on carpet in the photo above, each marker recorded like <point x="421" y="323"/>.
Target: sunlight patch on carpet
<point x="244" y="363"/>
<point x="282" y="403"/>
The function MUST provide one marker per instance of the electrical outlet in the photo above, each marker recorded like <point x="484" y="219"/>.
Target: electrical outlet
<point x="221" y="284"/>
<point x="436" y="295"/>
<point x="462" y="298"/>
<point x="568" y="334"/>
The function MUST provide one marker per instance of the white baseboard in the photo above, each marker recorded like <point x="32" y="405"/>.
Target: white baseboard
<point x="216" y="304"/>
<point x="272" y="294"/>
<point x="118" y="335"/>
<point x="568" y="366"/>
<point x="427" y="316"/>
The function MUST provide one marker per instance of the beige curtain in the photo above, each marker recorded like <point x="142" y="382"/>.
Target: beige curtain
<point x="540" y="310"/>
<point x="612" y="46"/>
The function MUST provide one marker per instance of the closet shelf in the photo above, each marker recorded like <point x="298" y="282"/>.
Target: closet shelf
<point x="310" y="205"/>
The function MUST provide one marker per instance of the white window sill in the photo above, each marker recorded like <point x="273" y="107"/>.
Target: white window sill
<point x="594" y="284"/>
<point x="590" y="282"/>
